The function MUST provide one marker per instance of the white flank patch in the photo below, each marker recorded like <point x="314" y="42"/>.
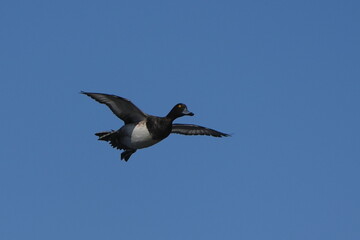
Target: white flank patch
<point x="136" y="136"/>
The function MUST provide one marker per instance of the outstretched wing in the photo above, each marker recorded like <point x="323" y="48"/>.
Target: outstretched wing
<point x="121" y="107"/>
<point x="190" y="129"/>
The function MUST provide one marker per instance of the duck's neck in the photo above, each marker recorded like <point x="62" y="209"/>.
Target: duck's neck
<point x="171" y="115"/>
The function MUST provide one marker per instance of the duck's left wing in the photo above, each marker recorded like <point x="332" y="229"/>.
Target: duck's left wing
<point x="121" y="107"/>
<point x="191" y="129"/>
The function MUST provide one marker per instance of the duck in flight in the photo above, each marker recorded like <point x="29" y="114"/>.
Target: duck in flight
<point x="142" y="130"/>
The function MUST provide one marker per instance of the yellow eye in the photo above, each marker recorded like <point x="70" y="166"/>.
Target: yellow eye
<point x="179" y="106"/>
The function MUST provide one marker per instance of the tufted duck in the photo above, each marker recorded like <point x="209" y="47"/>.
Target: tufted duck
<point x="142" y="130"/>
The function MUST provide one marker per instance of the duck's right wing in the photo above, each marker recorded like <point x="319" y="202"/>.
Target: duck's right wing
<point x="121" y="107"/>
<point x="190" y="129"/>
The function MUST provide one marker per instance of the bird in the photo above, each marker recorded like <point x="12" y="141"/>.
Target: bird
<point x="141" y="130"/>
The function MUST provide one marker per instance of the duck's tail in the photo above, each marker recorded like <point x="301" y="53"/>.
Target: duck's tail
<point x="105" y="136"/>
<point x="111" y="137"/>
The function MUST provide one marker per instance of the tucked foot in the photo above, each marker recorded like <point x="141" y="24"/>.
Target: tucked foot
<point x="125" y="155"/>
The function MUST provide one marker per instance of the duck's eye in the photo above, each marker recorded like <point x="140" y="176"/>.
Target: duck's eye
<point x="179" y="106"/>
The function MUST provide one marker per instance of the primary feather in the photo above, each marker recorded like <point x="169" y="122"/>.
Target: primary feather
<point x="191" y="129"/>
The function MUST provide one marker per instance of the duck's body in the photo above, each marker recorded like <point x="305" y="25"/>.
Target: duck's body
<point x="143" y="134"/>
<point x="142" y="130"/>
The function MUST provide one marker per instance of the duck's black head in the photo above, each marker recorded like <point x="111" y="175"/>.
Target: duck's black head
<point x="179" y="110"/>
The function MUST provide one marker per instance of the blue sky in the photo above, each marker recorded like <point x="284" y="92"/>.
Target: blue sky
<point x="282" y="76"/>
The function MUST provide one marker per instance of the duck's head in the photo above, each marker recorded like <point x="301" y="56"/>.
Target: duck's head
<point x="179" y="110"/>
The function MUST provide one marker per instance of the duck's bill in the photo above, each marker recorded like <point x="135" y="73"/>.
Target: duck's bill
<point x="188" y="113"/>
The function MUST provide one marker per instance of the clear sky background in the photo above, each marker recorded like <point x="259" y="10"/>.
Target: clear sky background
<point x="282" y="76"/>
